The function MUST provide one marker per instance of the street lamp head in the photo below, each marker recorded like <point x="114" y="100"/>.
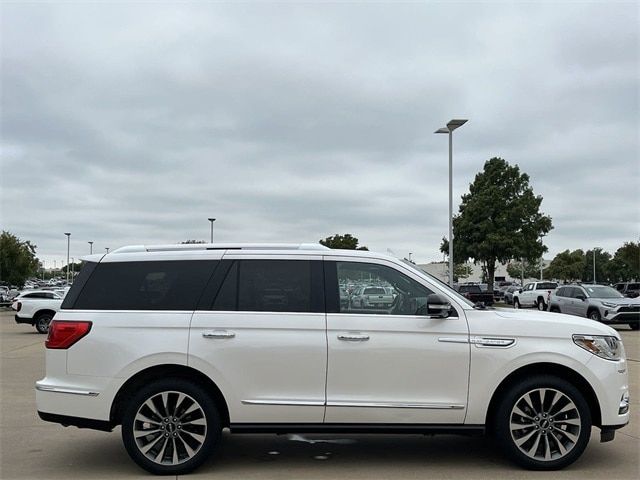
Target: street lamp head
<point x="442" y="130"/>
<point x="67" y="234"/>
<point x="455" y="123"/>
<point x="212" y="219"/>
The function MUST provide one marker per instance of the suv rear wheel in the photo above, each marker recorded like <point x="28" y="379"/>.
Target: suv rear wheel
<point x="543" y="423"/>
<point x="170" y="427"/>
<point x="42" y="322"/>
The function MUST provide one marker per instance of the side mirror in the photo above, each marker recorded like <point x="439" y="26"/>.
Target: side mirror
<point x="437" y="306"/>
<point x="520" y="291"/>
<point x="581" y="297"/>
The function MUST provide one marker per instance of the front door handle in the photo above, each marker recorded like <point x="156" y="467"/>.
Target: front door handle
<point x="353" y="337"/>
<point x="218" y="334"/>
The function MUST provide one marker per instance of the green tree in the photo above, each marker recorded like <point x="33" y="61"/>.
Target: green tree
<point x="566" y="266"/>
<point x="499" y="219"/>
<point x="603" y="270"/>
<point x="531" y="269"/>
<point x="460" y="270"/>
<point x="17" y="259"/>
<point x="346" y="242"/>
<point x="625" y="264"/>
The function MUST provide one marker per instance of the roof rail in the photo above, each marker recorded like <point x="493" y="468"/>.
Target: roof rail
<point x="219" y="246"/>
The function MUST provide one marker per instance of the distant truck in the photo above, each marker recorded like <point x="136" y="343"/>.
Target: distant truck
<point x="371" y="297"/>
<point x="629" y="289"/>
<point x="534" y="295"/>
<point x="476" y="294"/>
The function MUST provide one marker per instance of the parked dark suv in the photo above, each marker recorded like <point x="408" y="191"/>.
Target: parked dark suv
<point x="629" y="289"/>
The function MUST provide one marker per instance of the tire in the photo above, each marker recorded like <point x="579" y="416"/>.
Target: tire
<point x="42" y="322"/>
<point x="176" y="445"/>
<point x="516" y="303"/>
<point x="540" y="305"/>
<point x="635" y="326"/>
<point x="594" y="314"/>
<point x="543" y="423"/>
<point x="555" y="309"/>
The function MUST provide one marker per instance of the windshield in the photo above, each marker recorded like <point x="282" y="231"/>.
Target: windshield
<point x="447" y="288"/>
<point x="597" y="291"/>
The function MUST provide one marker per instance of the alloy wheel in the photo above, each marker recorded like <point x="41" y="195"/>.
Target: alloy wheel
<point x="545" y="424"/>
<point x="170" y="428"/>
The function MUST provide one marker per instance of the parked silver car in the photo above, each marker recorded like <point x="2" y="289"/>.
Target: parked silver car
<point x="597" y="302"/>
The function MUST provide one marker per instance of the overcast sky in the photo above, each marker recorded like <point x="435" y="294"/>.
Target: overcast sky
<point x="132" y="123"/>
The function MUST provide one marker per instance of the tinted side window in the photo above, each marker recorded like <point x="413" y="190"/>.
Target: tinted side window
<point x="407" y="298"/>
<point x="161" y="285"/>
<point x="272" y="286"/>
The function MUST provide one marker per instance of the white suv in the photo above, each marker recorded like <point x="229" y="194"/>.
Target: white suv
<point x="176" y="343"/>
<point x="37" y="308"/>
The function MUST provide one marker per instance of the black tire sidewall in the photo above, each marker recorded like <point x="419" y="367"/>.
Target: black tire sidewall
<point x="39" y="319"/>
<point x="502" y="420"/>
<point x="597" y="315"/>
<point x="214" y="428"/>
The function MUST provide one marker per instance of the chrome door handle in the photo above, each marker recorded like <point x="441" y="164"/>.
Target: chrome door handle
<point x="218" y="334"/>
<point x="353" y="337"/>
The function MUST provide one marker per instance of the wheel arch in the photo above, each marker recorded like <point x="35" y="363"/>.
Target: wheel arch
<point x="36" y="315"/>
<point x="554" y="369"/>
<point x="159" y="372"/>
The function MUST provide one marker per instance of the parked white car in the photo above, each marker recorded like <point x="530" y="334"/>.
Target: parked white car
<point x="175" y="343"/>
<point x="37" y="308"/>
<point x="534" y="295"/>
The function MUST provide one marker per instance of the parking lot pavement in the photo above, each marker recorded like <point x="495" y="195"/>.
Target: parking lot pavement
<point x="33" y="449"/>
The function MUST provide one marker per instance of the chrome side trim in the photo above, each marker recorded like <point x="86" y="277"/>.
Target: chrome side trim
<point x="453" y="340"/>
<point x="296" y="403"/>
<point x="430" y="406"/>
<point x="70" y="391"/>
<point x="493" y="342"/>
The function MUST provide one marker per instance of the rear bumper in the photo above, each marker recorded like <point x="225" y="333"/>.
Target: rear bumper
<point x="67" y="421"/>
<point x="19" y="319"/>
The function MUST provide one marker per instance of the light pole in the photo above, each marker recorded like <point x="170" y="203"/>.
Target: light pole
<point x="90" y="247"/>
<point x="107" y="249"/>
<point x="68" y="245"/>
<point x="541" y="256"/>
<point x="73" y="267"/>
<point x="410" y="256"/>
<point x="594" y="265"/>
<point x="211" y="220"/>
<point x="451" y="126"/>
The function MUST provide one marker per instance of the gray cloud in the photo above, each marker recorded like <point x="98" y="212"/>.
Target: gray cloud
<point x="133" y="123"/>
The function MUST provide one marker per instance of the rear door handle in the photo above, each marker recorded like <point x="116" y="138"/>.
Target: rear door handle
<point x="218" y="334"/>
<point x="353" y="337"/>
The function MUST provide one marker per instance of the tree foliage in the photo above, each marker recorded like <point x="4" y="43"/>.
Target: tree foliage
<point x="566" y="266"/>
<point x="17" y="259"/>
<point x="531" y="269"/>
<point x="623" y="266"/>
<point x="346" y="242"/>
<point x="499" y="219"/>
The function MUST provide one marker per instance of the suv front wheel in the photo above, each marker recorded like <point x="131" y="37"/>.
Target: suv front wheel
<point x="170" y="427"/>
<point x="543" y="423"/>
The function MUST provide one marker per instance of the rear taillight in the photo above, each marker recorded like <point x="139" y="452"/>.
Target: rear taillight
<point x="18" y="306"/>
<point x="63" y="334"/>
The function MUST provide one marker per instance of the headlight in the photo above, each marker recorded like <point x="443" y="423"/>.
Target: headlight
<point x="609" y="305"/>
<point x="609" y="348"/>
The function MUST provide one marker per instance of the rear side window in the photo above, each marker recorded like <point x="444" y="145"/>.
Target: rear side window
<point x="272" y="286"/>
<point x="546" y="286"/>
<point x="161" y="285"/>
